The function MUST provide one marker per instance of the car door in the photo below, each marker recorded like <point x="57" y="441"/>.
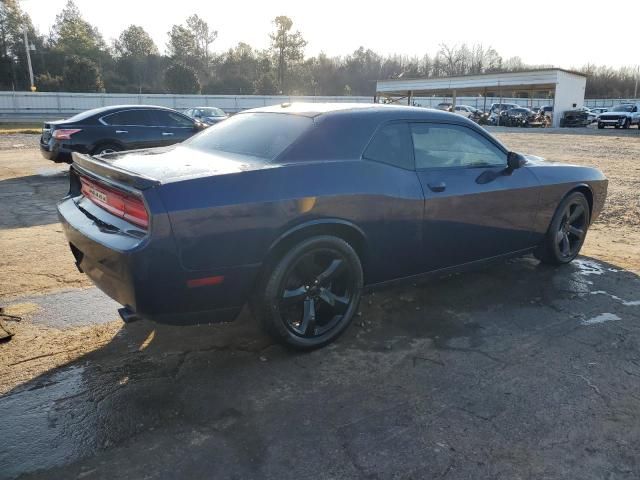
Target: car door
<point x="473" y="209"/>
<point x="129" y="128"/>
<point x="172" y="127"/>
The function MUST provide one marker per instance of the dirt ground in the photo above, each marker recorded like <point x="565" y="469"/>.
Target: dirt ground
<point x="35" y="265"/>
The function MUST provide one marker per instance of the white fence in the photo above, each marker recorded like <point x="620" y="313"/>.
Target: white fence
<point x="27" y="106"/>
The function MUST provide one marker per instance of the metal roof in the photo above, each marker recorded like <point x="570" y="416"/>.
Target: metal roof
<point x="543" y="79"/>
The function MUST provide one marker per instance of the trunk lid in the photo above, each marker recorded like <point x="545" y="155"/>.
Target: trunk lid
<point x="145" y="168"/>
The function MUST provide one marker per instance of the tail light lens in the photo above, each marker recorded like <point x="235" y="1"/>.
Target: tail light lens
<point x="65" y="133"/>
<point x="124" y="205"/>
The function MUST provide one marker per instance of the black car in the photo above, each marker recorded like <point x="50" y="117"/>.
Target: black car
<point x="206" y="115"/>
<point x="113" y="129"/>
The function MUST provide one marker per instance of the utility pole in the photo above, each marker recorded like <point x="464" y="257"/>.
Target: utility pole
<point x="26" y="49"/>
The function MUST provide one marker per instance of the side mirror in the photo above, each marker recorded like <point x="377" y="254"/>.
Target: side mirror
<point x="515" y="161"/>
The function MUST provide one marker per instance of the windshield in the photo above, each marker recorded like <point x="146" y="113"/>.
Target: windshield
<point x="211" y="112"/>
<point x="263" y="135"/>
<point x="622" y="108"/>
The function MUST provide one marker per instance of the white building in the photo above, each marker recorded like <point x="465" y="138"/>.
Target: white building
<point x="565" y="88"/>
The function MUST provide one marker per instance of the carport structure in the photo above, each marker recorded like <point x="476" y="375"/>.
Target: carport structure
<point x="564" y="87"/>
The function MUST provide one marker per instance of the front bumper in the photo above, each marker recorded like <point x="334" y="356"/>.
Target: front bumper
<point x="146" y="276"/>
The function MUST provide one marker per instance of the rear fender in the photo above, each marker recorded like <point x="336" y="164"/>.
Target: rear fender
<point x="348" y="231"/>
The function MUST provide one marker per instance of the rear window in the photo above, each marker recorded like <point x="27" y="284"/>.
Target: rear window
<point x="263" y="135"/>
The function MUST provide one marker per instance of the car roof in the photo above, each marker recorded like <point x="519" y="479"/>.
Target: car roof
<point x="87" y="114"/>
<point x="381" y="111"/>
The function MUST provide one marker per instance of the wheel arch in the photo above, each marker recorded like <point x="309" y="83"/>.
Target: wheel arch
<point x="343" y="229"/>
<point x="586" y="190"/>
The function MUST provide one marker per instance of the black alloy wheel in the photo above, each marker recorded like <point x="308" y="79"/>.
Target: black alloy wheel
<point x="313" y="292"/>
<point x="567" y="231"/>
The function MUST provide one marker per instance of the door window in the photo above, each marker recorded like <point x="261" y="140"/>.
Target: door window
<point x="163" y="118"/>
<point x="392" y="145"/>
<point x="128" y="118"/>
<point x="445" y="146"/>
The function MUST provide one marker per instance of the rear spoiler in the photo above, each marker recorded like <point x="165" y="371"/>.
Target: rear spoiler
<point x="93" y="166"/>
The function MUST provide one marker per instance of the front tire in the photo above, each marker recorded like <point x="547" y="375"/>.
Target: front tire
<point x="312" y="293"/>
<point x="600" y="125"/>
<point x="567" y="231"/>
<point x="627" y="124"/>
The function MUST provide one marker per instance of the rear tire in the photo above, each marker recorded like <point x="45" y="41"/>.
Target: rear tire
<point x="312" y="293"/>
<point x="106" y="148"/>
<point x="567" y="231"/>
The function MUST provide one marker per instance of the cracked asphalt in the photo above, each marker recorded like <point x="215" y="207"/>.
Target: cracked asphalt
<point x="516" y="371"/>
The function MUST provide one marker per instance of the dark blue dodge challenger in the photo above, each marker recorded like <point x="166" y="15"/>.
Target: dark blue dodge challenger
<point x="295" y="208"/>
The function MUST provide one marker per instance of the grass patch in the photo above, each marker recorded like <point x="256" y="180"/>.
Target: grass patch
<point x="13" y="128"/>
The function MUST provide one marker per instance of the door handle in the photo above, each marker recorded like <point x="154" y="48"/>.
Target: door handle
<point x="122" y="131"/>
<point x="166" y="134"/>
<point x="437" y="187"/>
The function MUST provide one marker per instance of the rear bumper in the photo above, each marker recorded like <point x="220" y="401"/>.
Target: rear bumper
<point x="145" y="275"/>
<point x="55" y="152"/>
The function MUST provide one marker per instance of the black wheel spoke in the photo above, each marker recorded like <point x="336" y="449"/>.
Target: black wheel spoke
<point x="308" y="324"/>
<point x="565" y="246"/>
<point x="294" y="295"/>
<point x="576" y="214"/>
<point x="338" y="303"/>
<point x="333" y="270"/>
<point x="578" y="232"/>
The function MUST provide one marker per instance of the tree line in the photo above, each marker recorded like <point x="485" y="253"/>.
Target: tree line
<point x="74" y="57"/>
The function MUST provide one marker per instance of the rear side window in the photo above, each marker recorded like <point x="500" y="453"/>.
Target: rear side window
<point x="445" y="146"/>
<point x="128" y="118"/>
<point x="163" y="118"/>
<point x="392" y="145"/>
<point x="263" y="135"/>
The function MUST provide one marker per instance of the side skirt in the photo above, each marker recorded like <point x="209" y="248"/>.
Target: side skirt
<point x="465" y="267"/>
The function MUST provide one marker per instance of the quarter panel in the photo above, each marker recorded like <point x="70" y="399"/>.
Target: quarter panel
<point x="557" y="180"/>
<point x="229" y="220"/>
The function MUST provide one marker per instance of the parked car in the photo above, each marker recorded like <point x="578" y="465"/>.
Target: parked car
<point x="113" y="129"/>
<point x="496" y="109"/>
<point x="445" y="106"/>
<point x="591" y="116"/>
<point x="207" y="115"/>
<point x="599" y="110"/>
<point x="575" y="118"/>
<point x="523" y="117"/>
<point x="295" y="208"/>
<point x="547" y="110"/>
<point x="623" y="115"/>
<point x="466" y="110"/>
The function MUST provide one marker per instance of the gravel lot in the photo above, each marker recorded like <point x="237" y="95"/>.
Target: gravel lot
<point x="515" y="371"/>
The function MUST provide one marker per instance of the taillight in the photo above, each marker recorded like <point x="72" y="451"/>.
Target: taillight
<point x="127" y="206"/>
<point x="65" y="133"/>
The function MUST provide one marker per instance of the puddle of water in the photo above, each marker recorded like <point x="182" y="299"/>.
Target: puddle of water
<point x="588" y="267"/>
<point x="626" y="303"/>
<point x="602" y="318"/>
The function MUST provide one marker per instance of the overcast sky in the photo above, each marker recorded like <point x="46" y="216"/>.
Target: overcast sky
<point x="562" y="33"/>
